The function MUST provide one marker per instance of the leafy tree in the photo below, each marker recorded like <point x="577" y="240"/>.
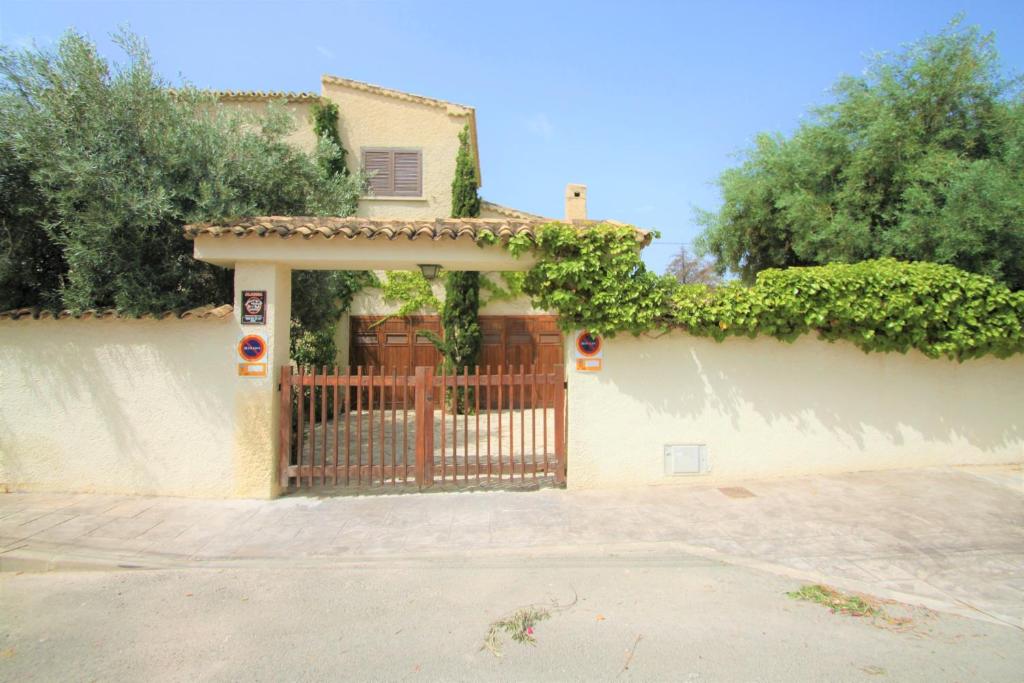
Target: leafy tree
<point x="921" y="159"/>
<point x="31" y="265"/>
<point x="108" y="163"/>
<point x="688" y="270"/>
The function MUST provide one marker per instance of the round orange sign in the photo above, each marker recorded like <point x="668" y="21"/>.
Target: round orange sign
<point x="588" y="344"/>
<point x="252" y="348"/>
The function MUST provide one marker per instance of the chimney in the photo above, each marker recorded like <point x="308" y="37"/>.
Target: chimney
<point x="575" y="202"/>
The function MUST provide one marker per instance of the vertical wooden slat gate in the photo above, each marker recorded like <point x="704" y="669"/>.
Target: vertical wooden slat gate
<point x="389" y="428"/>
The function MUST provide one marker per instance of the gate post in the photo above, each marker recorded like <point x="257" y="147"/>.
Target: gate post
<point x="284" y="445"/>
<point x="256" y="453"/>
<point x="424" y="425"/>
<point x="559" y="408"/>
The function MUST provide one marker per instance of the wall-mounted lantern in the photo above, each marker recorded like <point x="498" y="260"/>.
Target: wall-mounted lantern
<point x="429" y="270"/>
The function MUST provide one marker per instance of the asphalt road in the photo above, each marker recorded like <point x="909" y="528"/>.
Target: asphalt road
<point x="665" y="617"/>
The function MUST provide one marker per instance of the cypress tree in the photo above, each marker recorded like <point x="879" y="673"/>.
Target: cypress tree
<point x="460" y="315"/>
<point x="465" y="200"/>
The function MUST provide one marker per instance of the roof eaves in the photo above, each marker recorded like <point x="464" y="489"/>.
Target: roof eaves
<point x="262" y="95"/>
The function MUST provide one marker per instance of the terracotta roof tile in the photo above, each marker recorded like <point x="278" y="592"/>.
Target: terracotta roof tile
<point x="200" y="313"/>
<point x="510" y="212"/>
<point x="262" y="95"/>
<point x="353" y="227"/>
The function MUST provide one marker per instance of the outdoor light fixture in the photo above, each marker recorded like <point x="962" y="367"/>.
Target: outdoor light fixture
<point x="429" y="270"/>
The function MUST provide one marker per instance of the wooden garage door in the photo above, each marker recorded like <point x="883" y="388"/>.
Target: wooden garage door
<point x="508" y="340"/>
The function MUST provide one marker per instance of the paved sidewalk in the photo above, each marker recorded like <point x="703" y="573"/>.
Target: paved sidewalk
<point x="950" y="539"/>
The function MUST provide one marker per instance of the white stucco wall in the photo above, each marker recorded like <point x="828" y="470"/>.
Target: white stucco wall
<point x="120" y="406"/>
<point x="766" y="408"/>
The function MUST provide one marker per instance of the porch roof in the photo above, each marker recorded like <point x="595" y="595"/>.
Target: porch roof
<point x="354" y="243"/>
<point x="391" y="229"/>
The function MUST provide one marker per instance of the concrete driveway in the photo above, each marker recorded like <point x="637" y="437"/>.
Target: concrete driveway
<point x="950" y="539"/>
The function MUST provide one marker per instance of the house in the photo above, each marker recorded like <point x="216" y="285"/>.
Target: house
<point x="408" y="144"/>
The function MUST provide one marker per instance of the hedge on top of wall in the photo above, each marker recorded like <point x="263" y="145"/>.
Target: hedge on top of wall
<point x="594" y="279"/>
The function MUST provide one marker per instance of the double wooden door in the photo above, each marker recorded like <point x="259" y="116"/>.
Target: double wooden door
<point x="509" y="341"/>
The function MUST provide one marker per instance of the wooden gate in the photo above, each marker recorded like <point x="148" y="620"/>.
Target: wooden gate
<point x="379" y="427"/>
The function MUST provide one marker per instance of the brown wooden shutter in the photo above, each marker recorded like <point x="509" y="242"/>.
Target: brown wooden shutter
<point x="407" y="175"/>
<point x="378" y="164"/>
<point x="393" y="172"/>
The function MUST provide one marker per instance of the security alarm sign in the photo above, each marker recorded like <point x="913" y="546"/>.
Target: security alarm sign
<point x="589" y="353"/>
<point x="254" y="307"/>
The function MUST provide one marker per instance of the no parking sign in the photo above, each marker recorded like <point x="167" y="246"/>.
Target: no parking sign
<point x="252" y="348"/>
<point x="589" y="352"/>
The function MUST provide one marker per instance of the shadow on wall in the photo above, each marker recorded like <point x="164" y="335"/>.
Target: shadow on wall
<point x="138" y="395"/>
<point x="812" y="385"/>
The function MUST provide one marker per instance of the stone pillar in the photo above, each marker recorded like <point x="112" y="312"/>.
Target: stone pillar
<point x="257" y="399"/>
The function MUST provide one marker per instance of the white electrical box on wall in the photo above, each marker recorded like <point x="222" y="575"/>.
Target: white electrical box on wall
<point x="687" y="458"/>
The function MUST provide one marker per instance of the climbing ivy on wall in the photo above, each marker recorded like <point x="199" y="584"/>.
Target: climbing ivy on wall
<point x="325" y="125"/>
<point x="512" y="289"/>
<point x="595" y="279"/>
<point x="409" y="289"/>
<point x="415" y="295"/>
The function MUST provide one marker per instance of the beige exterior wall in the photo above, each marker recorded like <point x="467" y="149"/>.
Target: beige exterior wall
<point x="369" y="119"/>
<point x="144" y="406"/>
<point x="766" y="408"/>
<point x="120" y="406"/>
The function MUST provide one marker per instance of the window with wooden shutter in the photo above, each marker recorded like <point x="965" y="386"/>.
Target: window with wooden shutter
<point x="394" y="172"/>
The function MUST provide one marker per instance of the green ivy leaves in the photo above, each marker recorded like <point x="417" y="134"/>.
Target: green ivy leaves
<point x="594" y="279"/>
<point x="411" y="290"/>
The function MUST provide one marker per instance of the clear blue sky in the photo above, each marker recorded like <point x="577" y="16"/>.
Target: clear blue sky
<point x="645" y="102"/>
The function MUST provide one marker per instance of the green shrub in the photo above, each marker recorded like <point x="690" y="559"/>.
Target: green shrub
<point x="882" y="305"/>
<point x="594" y="279"/>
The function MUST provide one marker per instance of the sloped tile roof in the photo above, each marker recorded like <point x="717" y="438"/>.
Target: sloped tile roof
<point x="510" y="212"/>
<point x="452" y="107"/>
<point x="200" y="313"/>
<point x="353" y="227"/>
